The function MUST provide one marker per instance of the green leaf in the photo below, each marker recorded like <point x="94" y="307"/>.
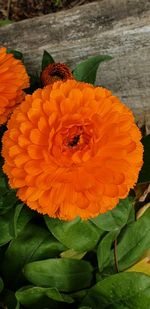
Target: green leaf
<point x="5" y="235"/>
<point x="46" y="60"/>
<point x="86" y="70"/>
<point x="134" y="241"/>
<point x="33" y="243"/>
<point x="18" y="55"/>
<point x="17" y="306"/>
<point x="65" y="274"/>
<point x="5" y="22"/>
<point x="104" y="249"/>
<point x="3" y="183"/>
<point x="124" y="290"/>
<point x="116" y="218"/>
<point x="1" y="284"/>
<point x="79" y="295"/>
<point x="35" y="83"/>
<point x="31" y="295"/>
<point x="7" y="201"/>
<point x="13" y="221"/>
<point x="72" y="254"/>
<point x="144" y="175"/>
<point x="7" y="196"/>
<point x="22" y="215"/>
<point x="74" y="234"/>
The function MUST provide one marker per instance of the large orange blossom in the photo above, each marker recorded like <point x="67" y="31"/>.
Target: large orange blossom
<point x="72" y="150"/>
<point x="13" y="78"/>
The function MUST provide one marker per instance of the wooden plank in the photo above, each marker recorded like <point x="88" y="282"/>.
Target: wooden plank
<point x="120" y="28"/>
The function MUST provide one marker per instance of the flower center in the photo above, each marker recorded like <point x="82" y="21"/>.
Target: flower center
<point x="76" y="138"/>
<point x="74" y="141"/>
<point x="57" y="75"/>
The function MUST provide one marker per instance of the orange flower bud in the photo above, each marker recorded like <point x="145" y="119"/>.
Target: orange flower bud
<point x="54" y="72"/>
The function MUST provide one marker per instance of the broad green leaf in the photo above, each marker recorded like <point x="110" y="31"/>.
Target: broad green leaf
<point x="72" y="254"/>
<point x="5" y="235"/>
<point x="46" y="60"/>
<point x="134" y="241"/>
<point x="21" y="216"/>
<point x="8" y="201"/>
<point x="104" y="249"/>
<point x="1" y="284"/>
<point x="123" y="290"/>
<point x="33" y="243"/>
<point x="65" y="274"/>
<point x="31" y="295"/>
<point x="78" y="235"/>
<point x="144" y="175"/>
<point x="13" y="222"/>
<point x="86" y="70"/>
<point x="7" y="196"/>
<point x="132" y="215"/>
<point x="116" y="218"/>
<point x="18" y="55"/>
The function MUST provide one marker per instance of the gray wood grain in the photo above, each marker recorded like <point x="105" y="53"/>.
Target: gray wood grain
<point x="120" y="28"/>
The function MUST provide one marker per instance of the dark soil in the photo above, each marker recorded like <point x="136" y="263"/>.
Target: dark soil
<point x="16" y="10"/>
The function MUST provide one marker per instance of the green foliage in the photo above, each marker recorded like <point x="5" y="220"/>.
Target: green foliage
<point x="18" y="55"/>
<point x="85" y="307"/>
<point x="34" y="83"/>
<point x="5" y="235"/>
<point x="134" y="241"/>
<point x="104" y="249"/>
<point x="21" y="216"/>
<point x="86" y="70"/>
<point x="66" y="275"/>
<point x="116" y="218"/>
<point x="33" y="243"/>
<point x="124" y="290"/>
<point x="9" y="300"/>
<point x="31" y="296"/>
<point x="46" y="60"/>
<point x="75" y="234"/>
<point x="1" y="284"/>
<point x="72" y="264"/>
<point x="145" y="171"/>
<point x="8" y="197"/>
<point x="5" y="22"/>
<point x="57" y="2"/>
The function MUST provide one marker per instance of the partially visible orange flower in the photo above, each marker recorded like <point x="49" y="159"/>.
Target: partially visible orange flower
<point x="54" y="72"/>
<point x="13" y="78"/>
<point x="72" y="150"/>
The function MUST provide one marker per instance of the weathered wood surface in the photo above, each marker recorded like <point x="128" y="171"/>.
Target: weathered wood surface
<point x="120" y="28"/>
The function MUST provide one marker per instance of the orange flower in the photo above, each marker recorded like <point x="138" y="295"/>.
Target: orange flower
<point x="72" y="150"/>
<point x="54" y="72"/>
<point x="13" y="78"/>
